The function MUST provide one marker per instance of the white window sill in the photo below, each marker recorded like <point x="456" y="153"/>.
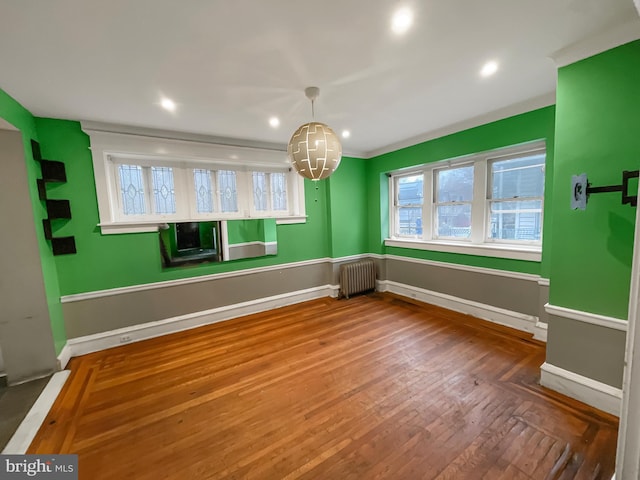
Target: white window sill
<point x="153" y="226"/>
<point x="532" y="253"/>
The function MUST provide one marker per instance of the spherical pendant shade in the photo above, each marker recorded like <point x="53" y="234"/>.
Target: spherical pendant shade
<point x="314" y="150"/>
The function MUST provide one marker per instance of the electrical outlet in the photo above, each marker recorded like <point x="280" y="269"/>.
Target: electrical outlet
<point x="125" y="338"/>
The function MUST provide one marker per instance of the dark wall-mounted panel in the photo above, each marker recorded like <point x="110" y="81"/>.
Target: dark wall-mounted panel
<point x="63" y="245"/>
<point x="58" y="209"/>
<point x="53" y="171"/>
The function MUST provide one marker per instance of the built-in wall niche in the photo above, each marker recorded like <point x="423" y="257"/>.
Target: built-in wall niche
<point x="193" y="243"/>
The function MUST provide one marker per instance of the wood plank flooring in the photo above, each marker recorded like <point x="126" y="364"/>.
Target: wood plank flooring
<point x="374" y="387"/>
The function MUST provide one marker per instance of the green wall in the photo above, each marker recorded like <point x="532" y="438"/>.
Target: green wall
<point x="535" y="125"/>
<point x="110" y="261"/>
<point x="348" y="208"/>
<point x="21" y="118"/>
<point x="597" y="133"/>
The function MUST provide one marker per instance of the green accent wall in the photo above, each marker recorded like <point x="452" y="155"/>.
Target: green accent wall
<point x="348" y="208"/>
<point x="21" y="118"/>
<point x="597" y="133"/>
<point x="110" y="261"/>
<point x="527" y="127"/>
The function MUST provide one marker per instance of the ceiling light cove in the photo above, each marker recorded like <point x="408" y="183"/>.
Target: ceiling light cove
<point x="346" y="134"/>
<point x="168" y="104"/>
<point x="401" y="21"/>
<point x="274" y="122"/>
<point x="489" y="68"/>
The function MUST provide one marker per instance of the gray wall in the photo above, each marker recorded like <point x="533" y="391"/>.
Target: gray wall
<point x="90" y="316"/>
<point x="517" y="295"/>
<point x="26" y="339"/>
<point x="589" y="350"/>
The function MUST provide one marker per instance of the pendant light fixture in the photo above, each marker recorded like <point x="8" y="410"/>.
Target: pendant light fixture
<point x="314" y="149"/>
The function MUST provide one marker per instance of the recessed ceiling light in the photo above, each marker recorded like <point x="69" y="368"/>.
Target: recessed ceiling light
<point x="489" y="68"/>
<point x="401" y="21"/>
<point x="168" y="104"/>
<point x="346" y="133"/>
<point x="274" y="122"/>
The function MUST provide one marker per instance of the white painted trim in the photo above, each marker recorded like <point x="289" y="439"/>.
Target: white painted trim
<point x="540" y="331"/>
<point x="587" y="317"/>
<point x="466" y="268"/>
<point x="64" y="357"/>
<point x="531" y="254"/>
<point x="291" y="220"/>
<point x="628" y="452"/>
<point x="27" y="430"/>
<point x="515" y="109"/>
<point x="585" y="389"/>
<point x="501" y="316"/>
<point x="144" y="331"/>
<point x="78" y="297"/>
<point x="544" y="282"/>
<point x="594" y="44"/>
<point x="257" y="242"/>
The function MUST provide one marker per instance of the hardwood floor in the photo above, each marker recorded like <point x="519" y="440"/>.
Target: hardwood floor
<point x="374" y="387"/>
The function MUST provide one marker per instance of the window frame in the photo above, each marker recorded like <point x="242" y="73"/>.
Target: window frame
<point x="479" y="242"/>
<point x="110" y="149"/>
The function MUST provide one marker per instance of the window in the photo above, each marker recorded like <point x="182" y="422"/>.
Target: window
<point x="453" y="200"/>
<point x="143" y="182"/>
<point x="145" y="188"/>
<point x="408" y="201"/>
<point x="486" y="204"/>
<point x="515" y="198"/>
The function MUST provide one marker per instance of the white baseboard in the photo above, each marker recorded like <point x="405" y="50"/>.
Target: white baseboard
<point x="64" y="357"/>
<point x="27" y="430"/>
<point x="519" y="321"/>
<point x="114" y="338"/>
<point x="589" y="391"/>
<point x="540" y="331"/>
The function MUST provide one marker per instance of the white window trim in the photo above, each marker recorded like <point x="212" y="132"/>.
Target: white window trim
<point x="147" y="150"/>
<point x="478" y="244"/>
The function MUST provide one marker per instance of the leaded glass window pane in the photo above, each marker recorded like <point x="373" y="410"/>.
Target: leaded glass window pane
<point x="228" y="192"/>
<point x="279" y="191"/>
<point x="203" y="185"/>
<point x="164" y="196"/>
<point x="132" y="189"/>
<point x="260" y="191"/>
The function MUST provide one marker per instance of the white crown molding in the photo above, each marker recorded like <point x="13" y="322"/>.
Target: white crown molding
<point x="467" y="268"/>
<point x="27" y="430"/>
<point x="510" y="111"/>
<point x="601" y="42"/>
<point x="587" y="317"/>
<point x="594" y="393"/>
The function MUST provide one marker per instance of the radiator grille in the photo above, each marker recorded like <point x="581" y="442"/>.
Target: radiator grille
<point x="357" y="277"/>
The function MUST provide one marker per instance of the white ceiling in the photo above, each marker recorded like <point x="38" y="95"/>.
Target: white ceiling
<point x="232" y="64"/>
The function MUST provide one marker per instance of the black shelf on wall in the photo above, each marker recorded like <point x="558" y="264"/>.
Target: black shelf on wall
<point x="53" y="172"/>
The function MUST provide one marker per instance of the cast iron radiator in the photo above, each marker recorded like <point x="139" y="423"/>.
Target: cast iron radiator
<point x="357" y="277"/>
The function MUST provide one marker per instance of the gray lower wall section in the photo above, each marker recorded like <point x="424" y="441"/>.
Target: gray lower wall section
<point x="96" y="315"/>
<point x="589" y="350"/>
<point x="25" y="328"/>
<point x="516" y="295"/>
